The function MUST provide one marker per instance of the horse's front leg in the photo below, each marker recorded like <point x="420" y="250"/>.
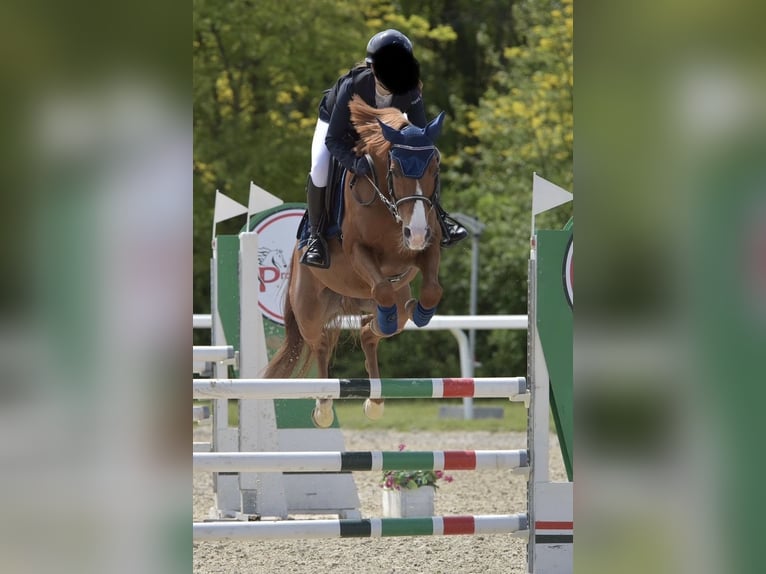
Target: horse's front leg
<point x="423" y="310"/>
<point x="373" y="408"/>
<point x="381" y="290"/>
<point x="370" y="338"/>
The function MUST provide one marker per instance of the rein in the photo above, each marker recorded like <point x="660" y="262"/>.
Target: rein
<point x="391" y="203"/>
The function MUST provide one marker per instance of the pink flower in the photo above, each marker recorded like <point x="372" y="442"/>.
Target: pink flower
<point x="439" y="473"/>
<point x="448" y="478"/>
<point x="402" y="447"/>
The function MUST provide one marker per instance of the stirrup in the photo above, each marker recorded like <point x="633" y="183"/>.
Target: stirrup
<point x="452" y="232"/>
<point x="316" y="254"/>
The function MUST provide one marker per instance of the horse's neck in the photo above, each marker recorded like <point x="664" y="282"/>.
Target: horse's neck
<point x="380" y="164"/>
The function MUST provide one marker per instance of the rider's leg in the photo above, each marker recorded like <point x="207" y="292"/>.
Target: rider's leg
<point x="316" y="253"/>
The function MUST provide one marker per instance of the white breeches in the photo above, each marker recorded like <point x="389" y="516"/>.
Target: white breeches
<point x="320" y="155"/>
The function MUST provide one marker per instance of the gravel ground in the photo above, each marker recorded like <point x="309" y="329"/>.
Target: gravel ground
<point x="472" y="492"/>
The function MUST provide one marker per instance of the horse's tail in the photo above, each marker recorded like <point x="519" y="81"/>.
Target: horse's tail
<point x="292" y="354"/>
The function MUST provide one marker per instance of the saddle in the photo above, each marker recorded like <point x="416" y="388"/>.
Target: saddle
<point x="333" y="206"/>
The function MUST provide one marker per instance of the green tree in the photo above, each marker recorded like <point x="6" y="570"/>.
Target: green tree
<point x="522" y="124"/>
<point x="259" y="73"/>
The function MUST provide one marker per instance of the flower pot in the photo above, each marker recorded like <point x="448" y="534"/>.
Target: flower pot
<point x="408" y="503"/>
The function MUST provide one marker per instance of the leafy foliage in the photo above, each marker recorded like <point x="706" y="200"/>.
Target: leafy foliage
<point x="522" y="124"/>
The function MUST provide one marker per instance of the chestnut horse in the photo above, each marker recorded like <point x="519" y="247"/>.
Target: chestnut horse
<point x="389" y="234"/>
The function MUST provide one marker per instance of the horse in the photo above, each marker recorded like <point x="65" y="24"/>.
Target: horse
<point x="389" y="234"/>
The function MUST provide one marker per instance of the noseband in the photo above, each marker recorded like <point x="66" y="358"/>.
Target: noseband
<point x="390" y="201"/>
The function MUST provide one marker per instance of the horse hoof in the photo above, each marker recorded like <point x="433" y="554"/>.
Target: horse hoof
<point x="373" y="410"/>
<point x="322" y="418"/>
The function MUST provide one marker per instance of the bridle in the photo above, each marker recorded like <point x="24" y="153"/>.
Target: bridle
<point x="389" y="199"/>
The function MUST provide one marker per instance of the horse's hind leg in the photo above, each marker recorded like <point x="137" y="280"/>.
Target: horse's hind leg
<point x="308" y="307"/>
<point x="315" y="309"/>
<point x="322" y="415"/>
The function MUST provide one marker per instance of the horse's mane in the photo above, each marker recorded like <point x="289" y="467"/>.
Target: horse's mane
<point x="365" y="120"/>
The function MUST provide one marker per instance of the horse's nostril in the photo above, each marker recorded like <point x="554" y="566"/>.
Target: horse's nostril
<point x="407" y="232"/>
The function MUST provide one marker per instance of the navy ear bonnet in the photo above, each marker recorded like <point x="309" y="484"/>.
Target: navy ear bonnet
<point x="413" y="152"/>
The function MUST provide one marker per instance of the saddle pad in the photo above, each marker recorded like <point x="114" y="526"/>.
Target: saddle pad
<point x="333" y="226"/>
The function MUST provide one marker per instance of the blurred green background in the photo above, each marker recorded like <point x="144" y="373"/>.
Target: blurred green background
<point x="670" y="325"/>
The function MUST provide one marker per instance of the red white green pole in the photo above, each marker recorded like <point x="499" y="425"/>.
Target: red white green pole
<point x="364" y="528"/>
<point x="360" y="461"/>
<point x="514" y="388"/>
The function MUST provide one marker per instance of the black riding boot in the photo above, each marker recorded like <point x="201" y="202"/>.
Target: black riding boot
<point x="316" y="254"/>
<point x="452" y="231"/>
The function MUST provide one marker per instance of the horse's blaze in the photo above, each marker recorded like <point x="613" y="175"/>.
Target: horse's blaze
<point x="418" y="236"/>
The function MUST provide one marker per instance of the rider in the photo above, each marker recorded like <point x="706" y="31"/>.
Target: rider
<point x="389" y="77"/>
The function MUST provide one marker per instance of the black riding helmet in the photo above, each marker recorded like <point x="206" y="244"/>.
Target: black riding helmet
<point x="390" y="54"/>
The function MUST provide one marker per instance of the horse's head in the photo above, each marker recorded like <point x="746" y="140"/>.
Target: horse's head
<point x="413" y="179"/>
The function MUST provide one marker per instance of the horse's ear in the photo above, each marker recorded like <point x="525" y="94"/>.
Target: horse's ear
<point x="390" y="134"/>
<point x="434" y="128"/>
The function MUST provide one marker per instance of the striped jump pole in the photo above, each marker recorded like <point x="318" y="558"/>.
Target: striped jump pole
<point x="514" y="388"/>
<point x="364" y="528"/>
<point x="360" y="461"/>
